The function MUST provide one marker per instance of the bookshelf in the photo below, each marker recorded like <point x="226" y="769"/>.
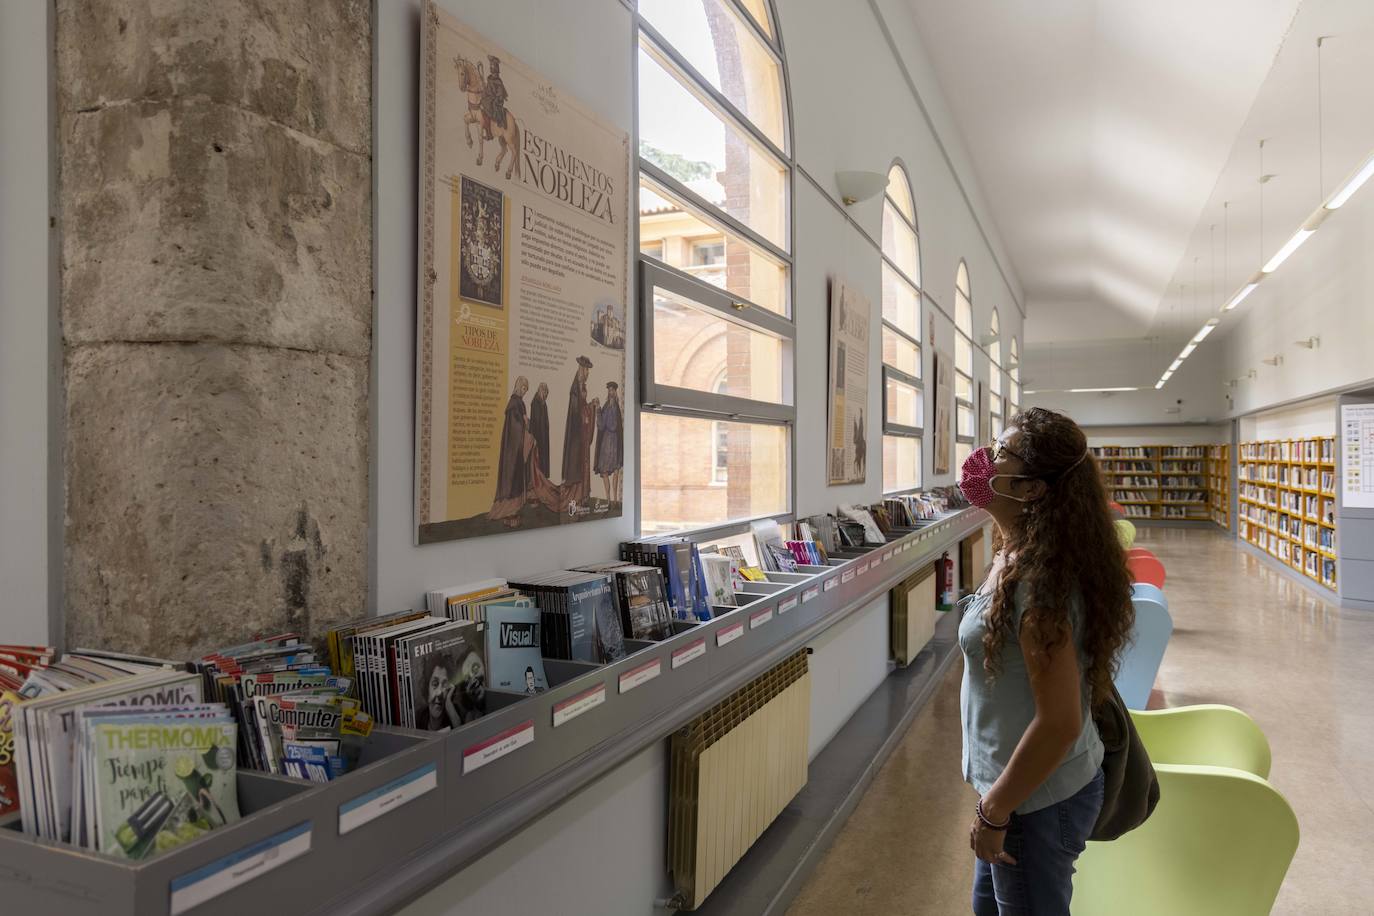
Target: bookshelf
<point x="1166" y="482"/>
<point x="1287" y="501"/>
<point x="1219" y="484"/>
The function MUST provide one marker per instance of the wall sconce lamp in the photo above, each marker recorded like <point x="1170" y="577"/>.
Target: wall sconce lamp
<point x="1310" y="343"/>
<point x="858" y="186"/>
<point x="1275" y="360"/>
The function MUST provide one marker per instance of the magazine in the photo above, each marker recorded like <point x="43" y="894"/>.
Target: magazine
<point x="515" y="662"/>
<point x="161" y="781"/>
<point x="448" y="676"/>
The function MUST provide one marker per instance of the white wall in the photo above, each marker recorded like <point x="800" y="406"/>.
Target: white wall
<point x="1326" y="289"/>
<point x="1175" y="434"/>
<point x="29" y="358"/>
<point x="1308" y="420"/>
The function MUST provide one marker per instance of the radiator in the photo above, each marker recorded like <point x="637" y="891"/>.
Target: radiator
<point x="912" y="615"/>
<point x="733" y="770"/>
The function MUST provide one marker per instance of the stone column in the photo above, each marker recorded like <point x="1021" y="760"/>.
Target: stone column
<point x="215" y="204"/>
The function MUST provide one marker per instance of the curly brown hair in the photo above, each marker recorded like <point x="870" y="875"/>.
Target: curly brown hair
<point x="1064" y="543"/>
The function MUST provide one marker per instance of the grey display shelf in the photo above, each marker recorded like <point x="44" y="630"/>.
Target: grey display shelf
<point x="422" y="806"/>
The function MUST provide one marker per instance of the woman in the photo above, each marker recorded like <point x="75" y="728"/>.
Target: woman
<point x="1041" y="640"/>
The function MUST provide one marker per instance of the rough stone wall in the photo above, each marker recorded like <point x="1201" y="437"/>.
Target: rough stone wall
<point x="215" y="198"/>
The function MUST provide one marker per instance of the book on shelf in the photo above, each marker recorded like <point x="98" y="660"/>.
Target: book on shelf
<point x="515" y="662"/>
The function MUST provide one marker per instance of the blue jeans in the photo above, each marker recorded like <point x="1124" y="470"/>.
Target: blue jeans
<point x="1045" y="844"/>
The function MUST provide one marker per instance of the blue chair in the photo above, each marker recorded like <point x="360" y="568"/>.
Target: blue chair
<point x="1144" y="654"/>
<point x="1148" y="592"/>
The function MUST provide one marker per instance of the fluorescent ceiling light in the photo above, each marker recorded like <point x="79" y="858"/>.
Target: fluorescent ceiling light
<point x="1187" y="351"/>
<point x="1207" y="328"/>
<point x="1167" y="375"/>
<point x="1159" y="384"/>
<point x="1173" y="367"/>
<point x="1351" y="186"/>
<point x="1288" y="248"/>
<point x="1239" y="297"/>
<point x="1085" y="390"/>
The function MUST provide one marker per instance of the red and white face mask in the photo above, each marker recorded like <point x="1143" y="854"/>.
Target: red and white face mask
<point x="979" y="471"/>
<point x="977" y="475"/>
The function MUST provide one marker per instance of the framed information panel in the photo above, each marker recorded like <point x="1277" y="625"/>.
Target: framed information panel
<point x="523" y="286"/>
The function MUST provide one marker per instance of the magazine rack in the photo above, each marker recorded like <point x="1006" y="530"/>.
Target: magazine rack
<point x="362" y="844"/>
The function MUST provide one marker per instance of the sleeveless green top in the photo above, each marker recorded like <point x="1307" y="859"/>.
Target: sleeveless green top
<point x="996" y="713"/>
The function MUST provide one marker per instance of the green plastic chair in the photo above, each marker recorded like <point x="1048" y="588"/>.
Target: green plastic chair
<point x="1218" y="844"/>
<point x="1208" y="735"/>
<point x="1125" y="532"/>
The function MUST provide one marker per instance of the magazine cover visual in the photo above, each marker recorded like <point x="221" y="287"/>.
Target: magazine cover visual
<point x="513" y="647"/>
<point x="448" y="677"/>
<point x="523" y="284"/>
<point x="162" y="783"/>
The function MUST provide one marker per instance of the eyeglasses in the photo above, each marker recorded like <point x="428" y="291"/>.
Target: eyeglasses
<point x="1000" y="452"/>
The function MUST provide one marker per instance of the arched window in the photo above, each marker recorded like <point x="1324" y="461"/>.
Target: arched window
<point x="966" y="423"/>
<point x="903" y="398"/>
<point x="1014" y="371"/>
<point x="994" y="342"/>
<point x="715" y="240"/>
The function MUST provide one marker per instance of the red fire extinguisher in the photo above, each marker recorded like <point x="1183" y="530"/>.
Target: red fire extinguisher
<point x="944" y="572"/>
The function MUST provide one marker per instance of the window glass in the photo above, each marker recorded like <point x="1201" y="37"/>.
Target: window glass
<point x="900" y="353"/>
<point x="758" y="11"/>
<point x="963" y="356"/>
<point x="901" y="463"/>
<point x="708" y="253"/>
<point x="901" y="302"/>
<point x="693" y="346"/>
<point x="961" y="452"/>
<point x="899" y="192"/>
<point x="963" y="387"/>
<point x="679" y="488"/>
<point x="899" y="243"/>
<point x="669" y="223"/>
<point x="964" y="425"/>
<point x="903" y="403"/>
<point x="714" y="158"/>
<point x="715" y="41"/>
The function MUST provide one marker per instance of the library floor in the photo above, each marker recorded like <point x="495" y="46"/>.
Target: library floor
<point x="1244" y="635"/>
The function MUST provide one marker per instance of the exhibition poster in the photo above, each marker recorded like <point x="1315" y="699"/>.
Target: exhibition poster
<point x="520" y="369"/>
<point x="848" y="437"/>
<point x="944" y="411"/>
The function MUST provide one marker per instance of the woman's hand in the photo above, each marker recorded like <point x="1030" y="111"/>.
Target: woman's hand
<point x="987" y="844"/>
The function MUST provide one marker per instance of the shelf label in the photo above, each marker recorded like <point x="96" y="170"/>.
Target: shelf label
<point x="575" y="706"/>
<point x="876" y="559"/>
<point x="384" y="799"/>
<point x="887" y="555"/>
<point x="210" y="880"/>
<point x="641" y="675"/>
<point x="759" y="618"/>
<point x="832" y="582"/>
<point x="863" y="570"/>
<point x="727" y="635"/>
<point x="785" y="606"/>
<point x="689" y="653"/>
<point x="847" y="575"/>
<point x="810" y="593"/>
<point x="498" y="746"/>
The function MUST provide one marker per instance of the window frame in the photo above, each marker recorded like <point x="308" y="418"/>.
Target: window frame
<point x="886" y="260"/>
<point x="967" y="292"/>
<point x="652" y="272"/>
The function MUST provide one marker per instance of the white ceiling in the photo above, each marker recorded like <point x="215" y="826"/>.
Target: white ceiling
<point x="1098" y="130"/>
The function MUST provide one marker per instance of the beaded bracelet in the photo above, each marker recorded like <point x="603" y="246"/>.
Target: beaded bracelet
<point x="987" y="823"/>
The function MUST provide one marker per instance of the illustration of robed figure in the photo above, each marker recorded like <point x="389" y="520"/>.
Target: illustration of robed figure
<point x="577" y="437"/>
<point x="539" y="426"/>
<point x="519" y="478"/>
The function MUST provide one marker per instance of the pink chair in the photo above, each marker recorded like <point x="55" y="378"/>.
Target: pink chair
<point x="1145" y="568"/>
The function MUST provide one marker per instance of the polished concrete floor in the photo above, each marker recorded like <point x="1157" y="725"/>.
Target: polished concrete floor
<point x="1244" y="635"/>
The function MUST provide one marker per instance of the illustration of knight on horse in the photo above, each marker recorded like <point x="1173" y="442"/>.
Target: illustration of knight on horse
<point x="487" y="108"/>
